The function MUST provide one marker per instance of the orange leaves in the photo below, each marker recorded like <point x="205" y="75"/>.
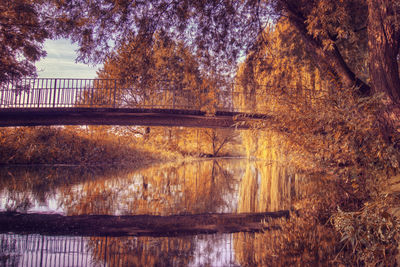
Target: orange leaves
<point x="45" y="145"/>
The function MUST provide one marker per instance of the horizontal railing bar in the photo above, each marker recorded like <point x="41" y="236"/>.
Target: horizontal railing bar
<point x="115" y="93"/>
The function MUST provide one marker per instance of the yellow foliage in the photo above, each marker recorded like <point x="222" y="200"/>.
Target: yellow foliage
<point x="321" y="129"/>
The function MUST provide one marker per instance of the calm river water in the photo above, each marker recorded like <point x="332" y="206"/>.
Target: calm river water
<point x="204" y="186"/>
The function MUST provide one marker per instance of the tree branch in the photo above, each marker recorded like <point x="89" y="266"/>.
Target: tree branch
<point x="332" y="59"/>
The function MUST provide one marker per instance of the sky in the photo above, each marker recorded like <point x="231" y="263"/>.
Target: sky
<point x="60" y="62"/>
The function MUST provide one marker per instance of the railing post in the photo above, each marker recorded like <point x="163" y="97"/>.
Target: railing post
<point x="38" y="104"/>
<point x="105" y="253"/>
<point x="232" y="97"/>
<point x="3" y="88"/>
<point x="92" y="96"/>
<point x="115" y="92"/>
<point x="55" y="92"/>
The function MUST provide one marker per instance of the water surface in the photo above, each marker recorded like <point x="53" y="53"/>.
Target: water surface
<point x="204" y="186"/>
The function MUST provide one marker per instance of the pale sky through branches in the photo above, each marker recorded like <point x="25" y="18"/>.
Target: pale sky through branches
<point x="60" y="62"/>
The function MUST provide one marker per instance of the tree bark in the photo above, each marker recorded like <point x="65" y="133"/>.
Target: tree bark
<point x="383" y="46"/>
<point x="331" y="59"/>
<point x="136" y="225"/>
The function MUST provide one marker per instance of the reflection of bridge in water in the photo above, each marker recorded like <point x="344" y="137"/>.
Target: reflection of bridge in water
<point x="37" y="250"/>
<point x="65" y="251"/>
<point x="30" y="102"/>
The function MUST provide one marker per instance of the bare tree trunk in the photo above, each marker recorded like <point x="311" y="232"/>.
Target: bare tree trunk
<point x="383" y="46"/>
<point x="328" y="59"/>
<point x="214" y="141"/>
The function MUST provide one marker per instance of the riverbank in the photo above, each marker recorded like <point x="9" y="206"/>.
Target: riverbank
<point x="64" y="146"/>
<point x="75" y="146"/>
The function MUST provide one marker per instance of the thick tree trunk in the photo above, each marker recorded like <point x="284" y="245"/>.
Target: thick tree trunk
<point x="383" y="46"/>
<point x="330" y="59"/>
<point x="136" y="225"/>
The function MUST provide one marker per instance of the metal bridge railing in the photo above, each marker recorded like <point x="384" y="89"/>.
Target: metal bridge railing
<point x="65" y="251"/>
<point x="61" y="93"/>
<point x="37" y="250"/>
<point x="52" y="93"/>
<point x="112" y="93"/>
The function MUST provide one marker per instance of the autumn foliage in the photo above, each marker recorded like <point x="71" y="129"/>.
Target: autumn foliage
<point x="325" y="72"/>
<point x="329" y="132"/>
<point x="46" y="145"/>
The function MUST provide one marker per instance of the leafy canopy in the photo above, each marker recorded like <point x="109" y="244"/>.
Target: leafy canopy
<point x="23" y="30"/>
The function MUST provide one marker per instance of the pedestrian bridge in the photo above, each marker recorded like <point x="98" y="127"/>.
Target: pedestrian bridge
<point x="40" y="102"/>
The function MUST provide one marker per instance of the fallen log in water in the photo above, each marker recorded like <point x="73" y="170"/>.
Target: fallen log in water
<point x="136" y="225"/>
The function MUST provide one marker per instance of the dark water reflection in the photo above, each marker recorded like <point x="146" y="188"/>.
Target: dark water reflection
<point x="36" y="250"/>
<point x="196" y="187"/>
<point x="228" y="186"/>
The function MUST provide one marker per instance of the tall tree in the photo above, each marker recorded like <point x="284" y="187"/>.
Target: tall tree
<point x="217" y="29"/>
<point x="160" y="73"/>
<point x="219" y="138"/>
<point x="223" y="30"/>
<point x="324" y="24"/>
<point x="23" y="29"/>
<point x="220" y="32"/>
<point x="163" y="74"/>
<point x="383" y="47"/>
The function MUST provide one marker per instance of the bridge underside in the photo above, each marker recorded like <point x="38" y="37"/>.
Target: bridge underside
<point x="111" y="116"/>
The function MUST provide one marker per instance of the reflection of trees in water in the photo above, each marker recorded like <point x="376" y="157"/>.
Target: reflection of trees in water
<point x="264" y="187"/>
<point x="142" y="251"/>
<point x="194" y="187"/>
<point x="214" y="250"/>
<point x="200" y="186"/>
<point x="250" y="248"/>
<point x="304" y="239"/>
<point x="36" y="250"/>
<point x="9" y="255"/>
<point x="23" y="186"/>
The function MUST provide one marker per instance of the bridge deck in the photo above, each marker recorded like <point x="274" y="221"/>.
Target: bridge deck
<point x="34" y="102"/>
<point x="123" y="116"/>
